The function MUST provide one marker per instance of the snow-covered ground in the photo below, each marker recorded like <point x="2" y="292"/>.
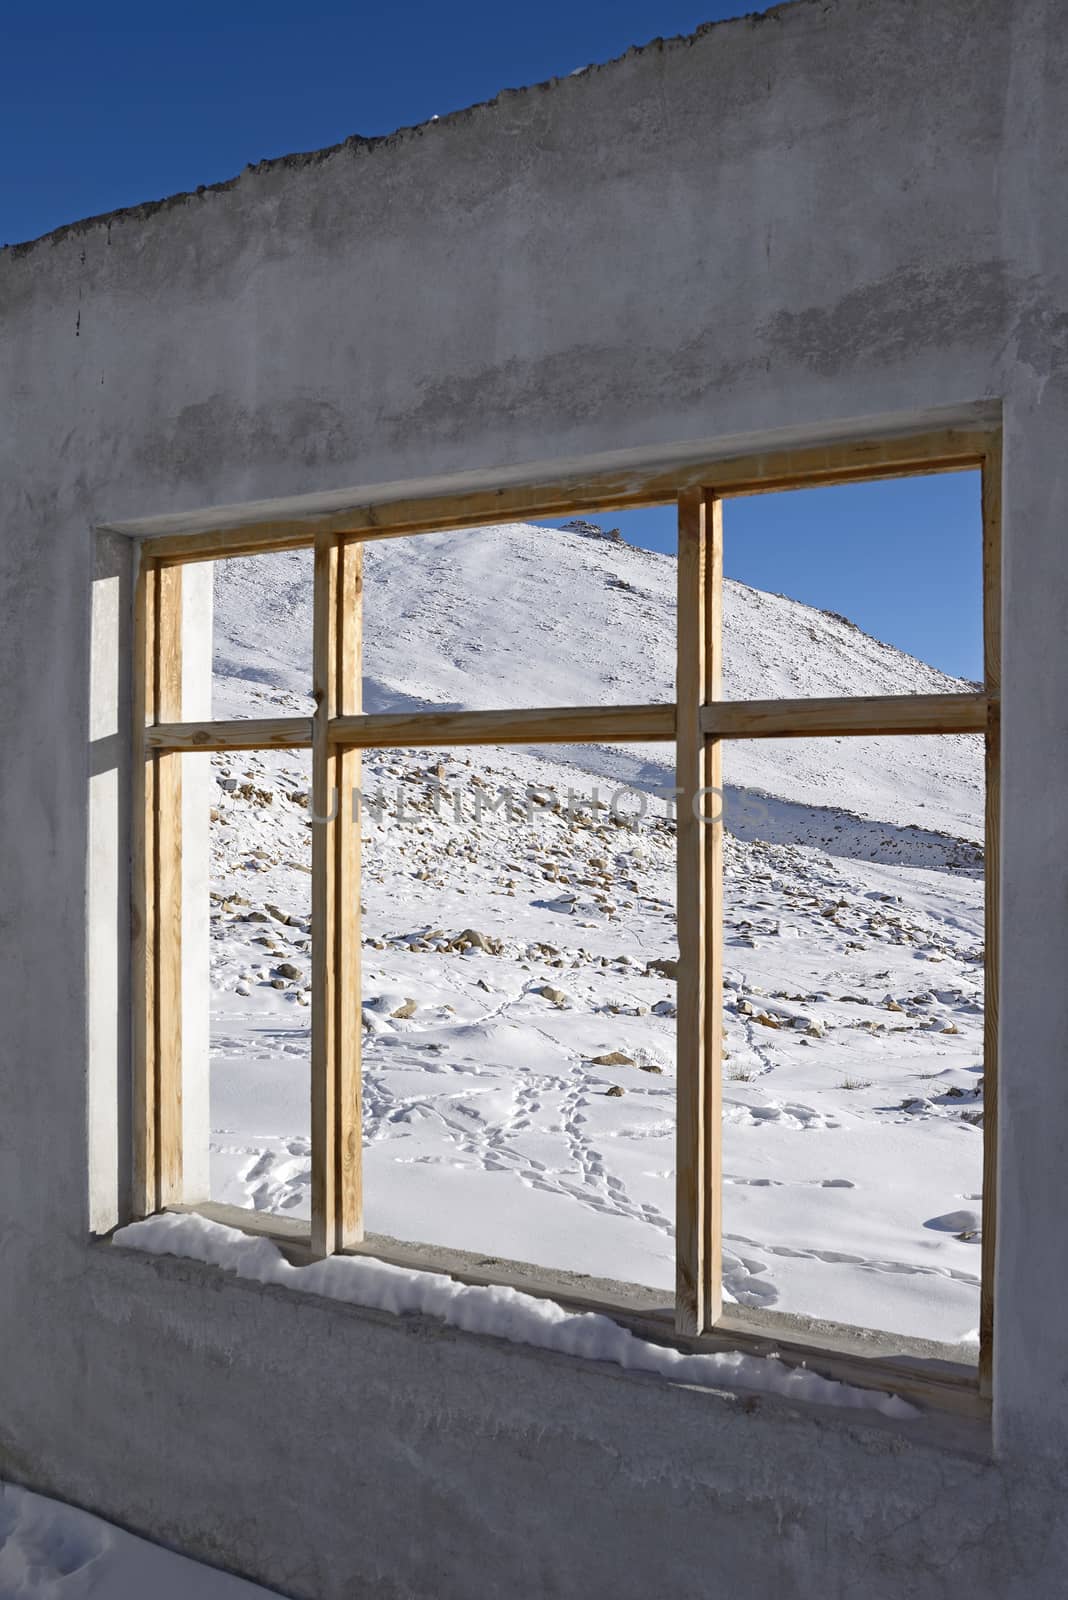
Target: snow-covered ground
<point x="52" y="1551"/>
<point x="518" y="992"/>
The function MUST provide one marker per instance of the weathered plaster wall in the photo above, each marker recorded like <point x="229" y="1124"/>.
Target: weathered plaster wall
<point x="782" y="227"/>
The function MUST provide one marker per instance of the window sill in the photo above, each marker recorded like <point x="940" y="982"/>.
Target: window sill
<point x="936" y="1378"/>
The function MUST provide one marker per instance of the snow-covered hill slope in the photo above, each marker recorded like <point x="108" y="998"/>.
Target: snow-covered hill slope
<point x="518" y="970"/>
<point x="521" y="615"/>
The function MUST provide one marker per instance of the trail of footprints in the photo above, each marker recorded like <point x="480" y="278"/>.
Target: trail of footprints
<point x="493" y="1146"/>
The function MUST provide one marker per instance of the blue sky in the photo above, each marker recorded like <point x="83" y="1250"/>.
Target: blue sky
<point x="901" y="559"/>
<point x="104" y="106"/>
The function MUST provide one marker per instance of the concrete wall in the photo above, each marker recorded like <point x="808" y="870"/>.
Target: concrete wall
<point x="842" y="216"/>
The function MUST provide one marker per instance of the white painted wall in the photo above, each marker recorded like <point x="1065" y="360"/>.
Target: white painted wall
<point x="106" y="1158"/>
<point x="784" y="228"/>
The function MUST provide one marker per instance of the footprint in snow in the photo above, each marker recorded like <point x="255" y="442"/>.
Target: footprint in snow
<point x="40" y="1548"/>
<point x="785" y="1116"/>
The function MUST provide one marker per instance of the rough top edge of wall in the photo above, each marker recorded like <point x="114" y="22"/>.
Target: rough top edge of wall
<point x="365" y="144"/>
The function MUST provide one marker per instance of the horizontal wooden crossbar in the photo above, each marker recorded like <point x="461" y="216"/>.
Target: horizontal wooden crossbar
<point x="552" y="725"/>
<point x="252" y="733"/>
<point x="611" y="489"/>
<point x="420" y="729"/>
<point x="727" y="719"/>
<point x="857" y="716"/>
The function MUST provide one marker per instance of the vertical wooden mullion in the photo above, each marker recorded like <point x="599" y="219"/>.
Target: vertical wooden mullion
<point x="712" y="1052"/>
<point x="324" y="647"/>
<point x="699" y="866"/>
<point x="348" y="1144"/>
<point x="992" y="470"/>
<point x="335" y="1069"/>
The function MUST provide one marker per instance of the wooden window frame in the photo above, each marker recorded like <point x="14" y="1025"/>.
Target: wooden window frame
<point x="698" y="722"/>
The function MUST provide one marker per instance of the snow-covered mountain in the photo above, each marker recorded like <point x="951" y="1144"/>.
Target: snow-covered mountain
<point x="518" y="999"/>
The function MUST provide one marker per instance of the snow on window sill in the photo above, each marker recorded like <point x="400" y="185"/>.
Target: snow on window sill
<point x="498" y="1311"/>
